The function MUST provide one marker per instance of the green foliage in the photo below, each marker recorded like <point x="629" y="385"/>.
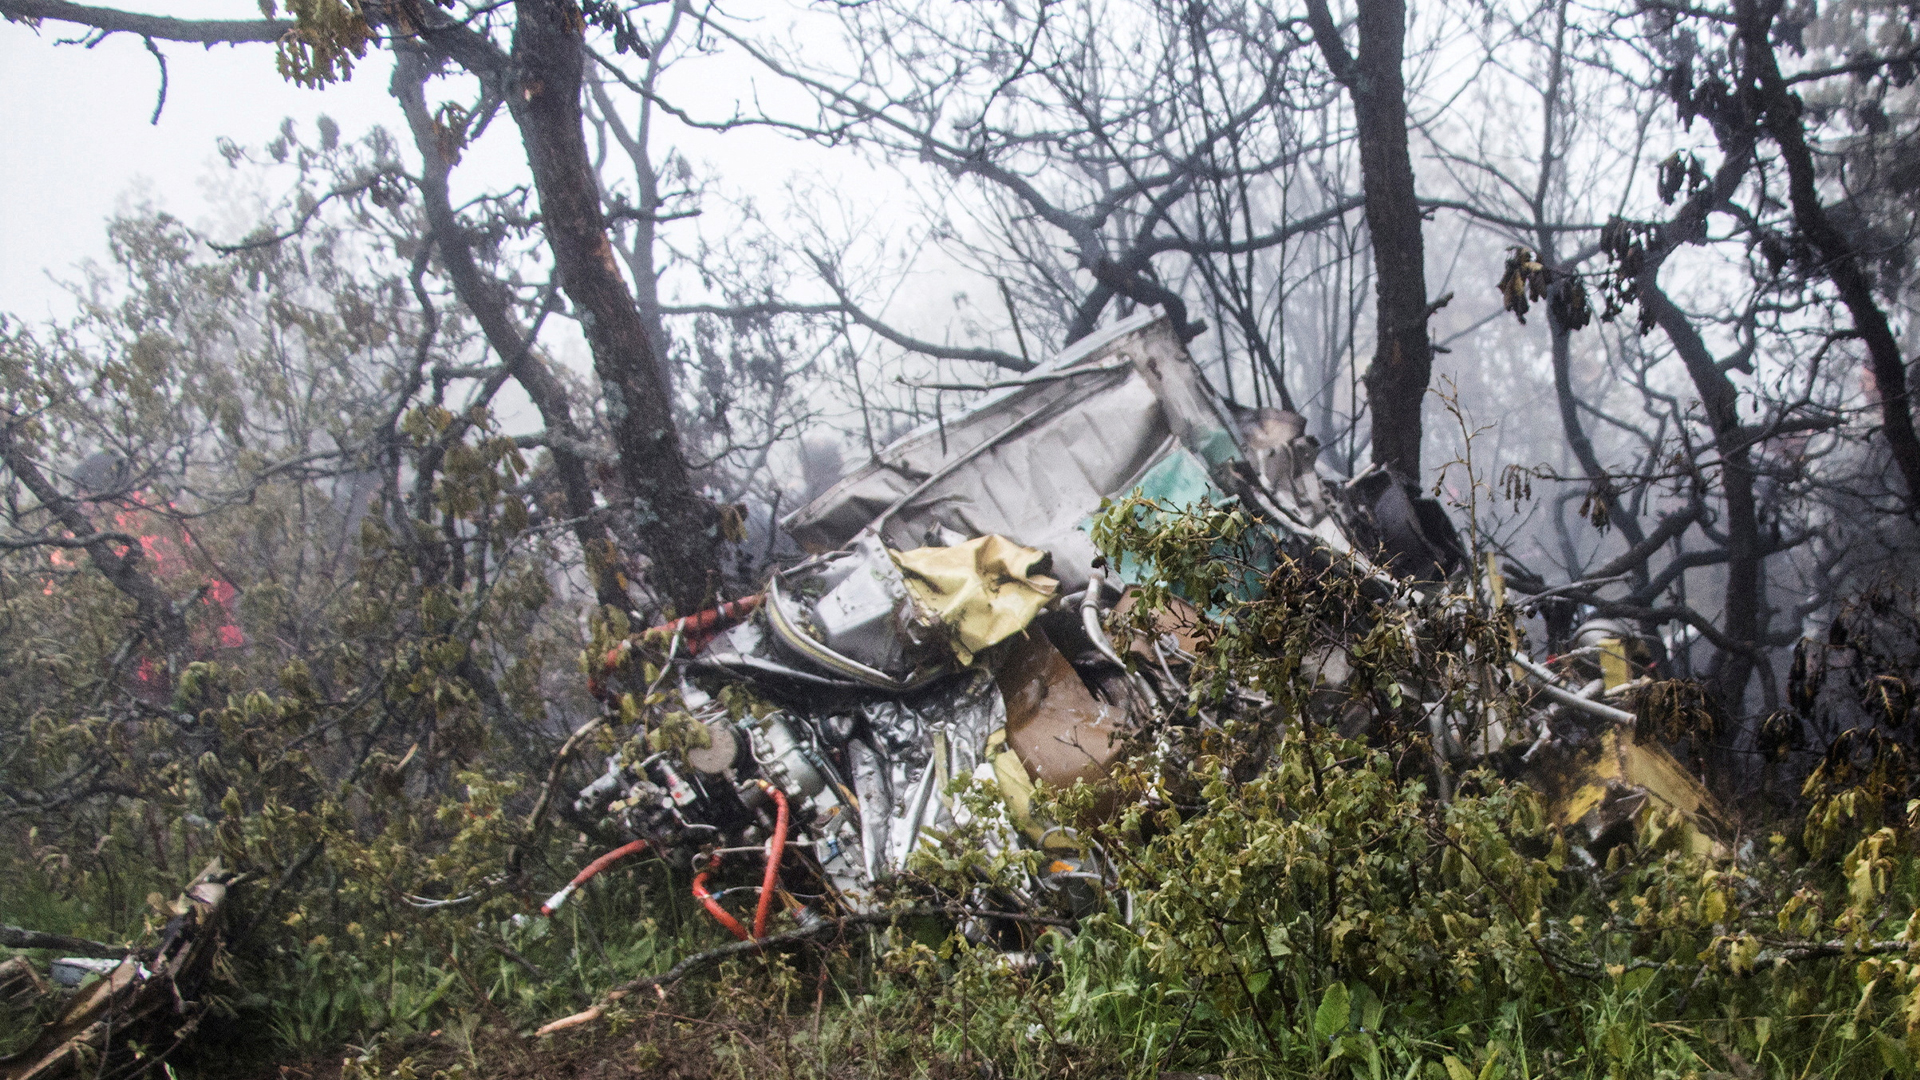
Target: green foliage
<point x="327" y="37"/>
<point x="361" y="727"/>
<point x="369" y="693"/>
<point x="1310" y="908"/>
<point x="1297" y="903"/>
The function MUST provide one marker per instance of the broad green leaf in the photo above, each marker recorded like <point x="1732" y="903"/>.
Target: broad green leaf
<point x="1893" y="1054"/>
<point x="1367" y="1004"/>
<point x="1331" y="1018"/>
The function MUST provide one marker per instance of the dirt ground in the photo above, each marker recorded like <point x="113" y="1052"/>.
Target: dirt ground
<point x="660" y="1044"/>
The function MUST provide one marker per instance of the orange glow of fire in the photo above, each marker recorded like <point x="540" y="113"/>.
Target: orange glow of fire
<point x="162" y="552"/>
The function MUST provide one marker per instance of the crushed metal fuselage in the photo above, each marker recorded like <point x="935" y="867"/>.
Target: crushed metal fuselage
<point x="949" y="626"/>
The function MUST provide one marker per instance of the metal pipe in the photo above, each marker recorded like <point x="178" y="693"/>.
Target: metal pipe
<point x="713" y="907"/>
<point x="1567" y="697"/>
<point x="1090" y="618"/>
<point x="922" y="794"/>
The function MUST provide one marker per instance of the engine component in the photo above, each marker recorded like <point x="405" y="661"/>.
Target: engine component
<point x="717" y="758"/>
<point x="783" y="758"/>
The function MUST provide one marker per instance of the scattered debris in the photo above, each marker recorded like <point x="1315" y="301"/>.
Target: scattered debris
<point x="1604" y="790"/>
<point x="950" y="625"/>
<point x="151" y="999"/>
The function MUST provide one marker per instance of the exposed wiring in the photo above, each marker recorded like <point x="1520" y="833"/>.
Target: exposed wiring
<point x="713" y="907"/>
<point x="428" y="904"/>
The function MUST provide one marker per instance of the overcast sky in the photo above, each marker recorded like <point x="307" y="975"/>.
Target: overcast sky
<point x="80" y="143"/>
<point x="79" y="140"/>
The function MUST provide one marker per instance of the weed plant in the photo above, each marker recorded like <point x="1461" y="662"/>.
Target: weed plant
<point x="1292" y="901"/>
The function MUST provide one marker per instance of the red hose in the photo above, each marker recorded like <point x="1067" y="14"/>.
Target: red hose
<point x="587" y="874"/>
<point x="700" y="628"/>
<point x="714" y="909"/>
<point x="776" y="849"/>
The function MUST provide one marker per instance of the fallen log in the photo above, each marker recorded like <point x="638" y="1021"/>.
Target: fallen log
<point x="14" y="937"/>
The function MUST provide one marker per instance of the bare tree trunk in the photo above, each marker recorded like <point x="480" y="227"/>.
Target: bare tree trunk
<point x="1397" y="378"/>
<point x="486" y="299"/>
<point x="1840" y="260"/>
<point x="1743" y="620"/>
<point x="678" y="528"/>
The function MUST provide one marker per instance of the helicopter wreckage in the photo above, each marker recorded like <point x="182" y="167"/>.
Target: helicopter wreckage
<point x="953" y="623"/>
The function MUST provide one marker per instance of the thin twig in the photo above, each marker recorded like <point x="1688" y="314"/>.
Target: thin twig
<point x="823" y="928"/>
<point x="160" y="100"/>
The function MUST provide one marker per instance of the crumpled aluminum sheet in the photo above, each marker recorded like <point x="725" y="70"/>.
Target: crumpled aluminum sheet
<point x="907" y="752"/>
<point x="1032" y="462"/>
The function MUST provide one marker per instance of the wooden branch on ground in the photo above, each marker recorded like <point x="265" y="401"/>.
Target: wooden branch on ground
<point x="15" y="937"/>
<point x="823" y="928"/>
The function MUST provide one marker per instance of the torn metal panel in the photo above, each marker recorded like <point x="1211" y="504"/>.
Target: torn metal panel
<point x="1413" y="533"/>
<point x="1060" y="731"/>
<point x="1603" y="790"/>
<point x="922" y="643"/>
<point x="1282" y="454"/>
<point x="926" y="744"/>
<point x="1033" y="461"/>
<point x="850" y="614"/>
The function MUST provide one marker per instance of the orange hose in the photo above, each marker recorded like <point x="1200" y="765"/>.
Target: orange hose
<point x="700" y="628"/>
<point x="776" y="849"/>
<point x="588" y="873"/>
<point x="714" y="909"/>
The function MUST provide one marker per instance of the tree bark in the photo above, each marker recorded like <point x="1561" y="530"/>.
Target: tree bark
<point x="1402" y="364"/>
<point x="1840" y="259"/>
<point x="679" y="529"/>
<point x="158" y="27"/>
<point x="1744" y="621"/>
<point x="639" y="255"/>
<point x="485" y="299"/>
